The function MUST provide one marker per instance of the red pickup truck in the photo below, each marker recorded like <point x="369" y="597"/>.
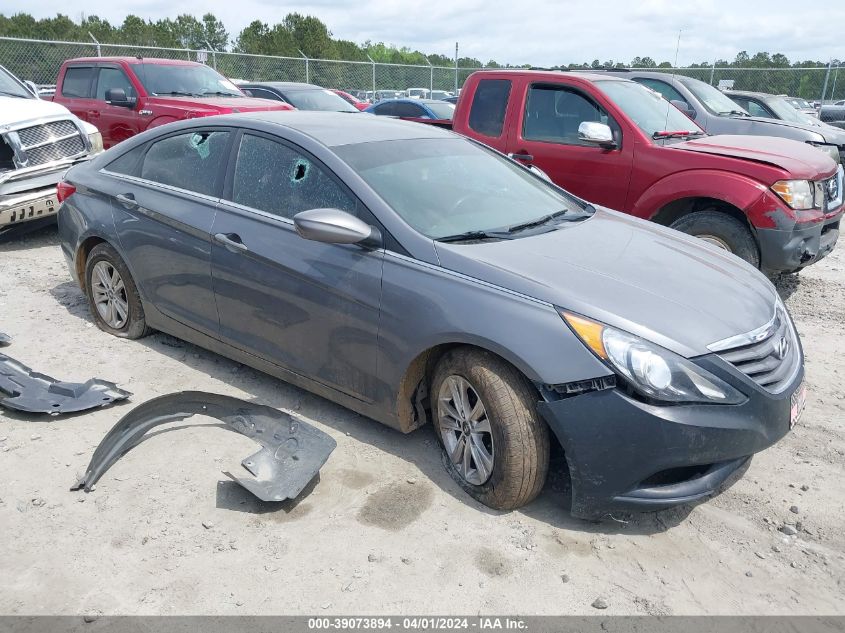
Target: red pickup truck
<point x="774" y="202"/>
<point x="123" y="96"/>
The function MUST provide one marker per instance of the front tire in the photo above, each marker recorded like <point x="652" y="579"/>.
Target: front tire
<point x="722" y="230"/>
<point x="112" y="294"/>
<point x="496" y="446"/>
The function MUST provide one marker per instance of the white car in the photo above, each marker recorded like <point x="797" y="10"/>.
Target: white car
<point x="417" y="93"/>
<point x="39" y="141"/>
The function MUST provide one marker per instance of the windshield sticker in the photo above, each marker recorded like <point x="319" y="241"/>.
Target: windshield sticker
<point x="300" y="170"/>
<point x="200" y="143"/>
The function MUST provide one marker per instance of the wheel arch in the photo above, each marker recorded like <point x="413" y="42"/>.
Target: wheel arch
<point x="676" y="209"/>
<point x="81" y="257"/>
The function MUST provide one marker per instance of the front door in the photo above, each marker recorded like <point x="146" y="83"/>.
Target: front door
<point x="547" y="136"/>
<point x="310" y="307"/>
<point x="116" y="123"/>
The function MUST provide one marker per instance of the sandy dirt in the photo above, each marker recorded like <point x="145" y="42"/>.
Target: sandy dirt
<point x="385" y="529"/>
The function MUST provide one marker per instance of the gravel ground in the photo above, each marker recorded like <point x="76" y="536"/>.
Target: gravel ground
<point x="384" y="530"/>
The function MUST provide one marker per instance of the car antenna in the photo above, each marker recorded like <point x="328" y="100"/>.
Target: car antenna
<point x="674" y="68"/>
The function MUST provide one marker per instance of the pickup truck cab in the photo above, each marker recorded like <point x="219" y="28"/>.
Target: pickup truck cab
<point x="124" y="96"/>
<point x="39" y="141"/>
<point x="774" y="202"/>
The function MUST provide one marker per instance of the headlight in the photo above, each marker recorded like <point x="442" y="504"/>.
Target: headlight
<point x="95" y="139"/>
<point x="830" y="150"/>
<point x="651" y="370"/>
<point x="798" y="194"/>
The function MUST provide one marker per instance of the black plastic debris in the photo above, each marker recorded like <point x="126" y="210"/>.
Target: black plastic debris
<point x="5" y="339"/>
<point x="292" y="451"/>
<point x="25" y="390"/>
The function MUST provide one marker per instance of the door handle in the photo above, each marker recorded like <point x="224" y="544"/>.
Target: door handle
<point x="127" y="200"/>
<point x="522" y="156"/>
<point x="232" y="242"/>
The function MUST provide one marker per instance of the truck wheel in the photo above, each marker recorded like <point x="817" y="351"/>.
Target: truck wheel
<point x="496" y="446"/>
<point x="112" y="294"/>
<point x="722" y="230"/>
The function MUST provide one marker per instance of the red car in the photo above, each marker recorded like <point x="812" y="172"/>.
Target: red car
<point x="775" y="202"/>
<point x="361" y="105"/>
<point x="123" y="96"/>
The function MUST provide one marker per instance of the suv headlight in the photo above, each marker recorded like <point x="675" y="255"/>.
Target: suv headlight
<point x="830" y="150"/>
<point x="798" y="194"/>
<point x="651" y="370"/>
<point x="95" y="139"/>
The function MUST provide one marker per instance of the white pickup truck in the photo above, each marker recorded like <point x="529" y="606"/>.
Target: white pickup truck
<point x="39" y="141"/>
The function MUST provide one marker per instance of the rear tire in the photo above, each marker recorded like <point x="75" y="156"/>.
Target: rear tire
<point x="506" y="428"/>
<point x="722" y="230"/>
<point x="112" y="294"/>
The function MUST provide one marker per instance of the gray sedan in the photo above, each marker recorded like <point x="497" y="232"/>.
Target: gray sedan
<point x="415" y="276"/>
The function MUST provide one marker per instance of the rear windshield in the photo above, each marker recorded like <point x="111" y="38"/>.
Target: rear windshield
<point x="443" y="110"/>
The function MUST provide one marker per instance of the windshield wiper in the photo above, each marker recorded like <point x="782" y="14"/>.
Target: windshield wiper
<point x="219" y="93"/>
<point x="538" y="222"/>
<point x="177" y="93"/>
<point x="733" y="113"/>
<point x="474" y="235"/>
<point x="676" y="134"/>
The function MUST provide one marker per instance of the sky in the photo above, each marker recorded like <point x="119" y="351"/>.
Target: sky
<point x="541" y="33"/>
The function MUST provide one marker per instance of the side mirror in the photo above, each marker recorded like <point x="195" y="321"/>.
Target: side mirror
<point x="334" y="226"/>
<point x="32" y="88"/>
<point x="684" y="107"/>
<point x="117" y="97"/>
<point x="596" y="134"/>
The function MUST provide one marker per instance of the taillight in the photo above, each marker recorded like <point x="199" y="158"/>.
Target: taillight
<point x="64" y="190"/>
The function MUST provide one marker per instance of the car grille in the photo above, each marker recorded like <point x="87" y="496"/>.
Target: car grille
<point x="50" y="142"/>
<point x="772" y="359"/>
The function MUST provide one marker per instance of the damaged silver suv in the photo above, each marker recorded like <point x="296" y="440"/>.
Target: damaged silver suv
<point x="416" y="276"/>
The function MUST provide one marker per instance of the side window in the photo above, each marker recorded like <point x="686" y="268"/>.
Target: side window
<point x="487" y="115"/>
<point x="755" y="108"/>
<point x="274" y="178"/>
<point x="77" y="82"/>
<point x="669" y="93"/>
<point x="262" y="93"/>
<point x="553" y="113"/>
<point x="111" y="78"/>
<point x="191" y="161"/>
<point x="408" y="110"/>
<point x="385" y="109"/>
<point x="127" y="164"/>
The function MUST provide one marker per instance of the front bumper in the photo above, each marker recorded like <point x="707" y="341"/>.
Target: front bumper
<point x="626" y="455"/>
<point x="30" y="205"/>
<point x="790" y="250"/>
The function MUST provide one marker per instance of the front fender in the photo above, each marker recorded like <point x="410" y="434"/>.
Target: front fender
<point x="734" y="189"/>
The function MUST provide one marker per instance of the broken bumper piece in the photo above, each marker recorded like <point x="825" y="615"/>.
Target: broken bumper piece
<point x="26" y="390"/>
<point x="292" y="451"/>
<point x="5" y="339"/>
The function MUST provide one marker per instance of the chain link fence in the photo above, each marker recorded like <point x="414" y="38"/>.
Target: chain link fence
<point x="39" y="61"/>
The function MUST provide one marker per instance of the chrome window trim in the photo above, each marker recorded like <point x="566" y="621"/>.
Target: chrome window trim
<point x="259" y="212"/>
<point x="160" y="185"/>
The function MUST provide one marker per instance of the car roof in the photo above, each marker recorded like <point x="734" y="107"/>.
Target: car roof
<point x="334" y="129"/>
<point x="134" y="60"/>
<point x="749" y="93"/>
<point x="283" y="85"/>
<point x="552" y="75"/>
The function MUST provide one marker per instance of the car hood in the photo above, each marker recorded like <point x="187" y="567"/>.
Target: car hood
<point x="654" y="282"/>
<point x="222" y="105"/>
<point x="15" y="110"/>
<point x="800" y="159"/>
<point x="834" y="137"/>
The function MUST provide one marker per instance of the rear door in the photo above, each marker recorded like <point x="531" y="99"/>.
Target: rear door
<point x="77" y="92"/>
<point x="116" y="123"/>
<point x="546" y="135"/>
<point x="164" y="198"/>
<point x="310" y="307"/>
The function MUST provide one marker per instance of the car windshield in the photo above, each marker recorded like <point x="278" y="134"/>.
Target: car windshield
<point x="650" y="111"/>
<point x="451" y="186"/>
<point x="318" y="99"/>
<point x="715" y="101"/>
<point x="11" y="87"/>
<point x="801" y="104"/>
<point x="442" y="110"/>
<point x="193" y="80"/>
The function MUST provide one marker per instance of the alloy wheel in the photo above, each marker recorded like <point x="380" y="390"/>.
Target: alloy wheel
<point x="465" y="429"/>
<point x="109" y="295"/>
<point x="715" y="241"/>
